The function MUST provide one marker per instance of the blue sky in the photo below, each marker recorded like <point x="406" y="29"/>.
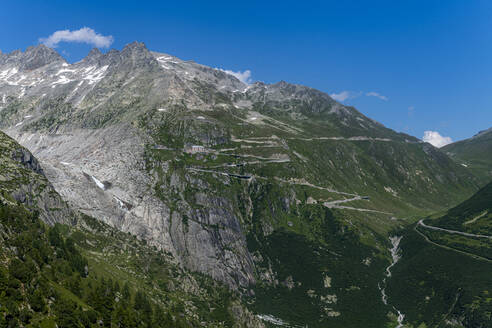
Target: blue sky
<point x="415" y="66"/>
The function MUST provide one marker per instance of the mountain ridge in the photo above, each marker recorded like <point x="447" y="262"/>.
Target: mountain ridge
<point x="475" y="153"/>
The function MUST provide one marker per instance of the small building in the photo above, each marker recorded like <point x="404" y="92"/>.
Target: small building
<point x="195" y="149"/>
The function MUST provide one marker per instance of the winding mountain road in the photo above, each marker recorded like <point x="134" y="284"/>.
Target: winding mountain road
<point x="422" y="224"/>
<point x="477" y="257"/>
<point x="334" y="204"/>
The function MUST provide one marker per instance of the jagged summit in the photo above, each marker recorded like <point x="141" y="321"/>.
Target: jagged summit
<point x="108" y="79"/>
<point x="41" y="55"/>
<point x="94" y="53"/>
<point x="177" y="76"/>
<point x="34" y="57"/>
<point x="135" y="45"/>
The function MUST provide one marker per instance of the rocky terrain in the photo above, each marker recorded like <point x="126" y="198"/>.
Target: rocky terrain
<point x="22" y="180"/>
<point x="64" y="269"/>
<point x="239" y="182"/>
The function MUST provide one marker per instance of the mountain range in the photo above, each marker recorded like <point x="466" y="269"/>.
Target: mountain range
<point x="278" y="195"/>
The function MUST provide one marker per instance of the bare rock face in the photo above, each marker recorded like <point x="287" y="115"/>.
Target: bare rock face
<point x="22" y="180"/>
<point x="101" y="173"/>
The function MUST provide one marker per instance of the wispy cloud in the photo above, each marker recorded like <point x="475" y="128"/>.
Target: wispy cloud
<point x="377" y="95"/>
<point x="346" y="94"/>
<point x="342" y="96"/>
<point x="244" y="77"/>
<point x="436" y="139"/>
<point x="83" y="35"/>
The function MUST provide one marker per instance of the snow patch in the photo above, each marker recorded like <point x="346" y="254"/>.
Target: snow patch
<point x="167" y="59"/>
<point x="6" y="74"/>
<point x="61" y="80"/>
<point x="98" y="183"/>
<point x="65" y="70"/>
<point x="94" y="76"/>
<point x="163" y="60"/>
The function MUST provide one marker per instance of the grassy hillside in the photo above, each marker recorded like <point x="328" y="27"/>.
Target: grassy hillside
<point x="475" y="153"/>
<point x="473" y="215"/>
<point x="440" y="287"/>
<point x="466" y="228"/>
<point x="445" y="266"/>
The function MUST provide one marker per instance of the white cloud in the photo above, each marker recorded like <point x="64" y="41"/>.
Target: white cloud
<point x="342" y="96"/>
<point x="377" y="95"/>
<point x="244" y="77"/>
<point x="435" y="139"/>
<point x="84" y="35"/>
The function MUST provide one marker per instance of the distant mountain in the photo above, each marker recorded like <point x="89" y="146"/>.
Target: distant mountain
<point x="474" y="153"/>
<point x="276" y="190"/>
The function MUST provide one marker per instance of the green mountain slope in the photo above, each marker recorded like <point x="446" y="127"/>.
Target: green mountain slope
<point x="446" y="261"/>
<point x="438" y="286"/>
<point x="91" y="275"/>
<point x="472" y="216"/>
<point x="466" y="227"/>
<point x="475" y="153"/>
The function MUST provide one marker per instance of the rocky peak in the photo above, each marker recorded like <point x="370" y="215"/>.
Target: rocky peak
<point x="135" y="45"/>
<point x="38" y="56"/>
<point x="93" y="57"/>
<point x="94" y="53"/>
<point x="307" y="99"/>
<point x="134" y="55"/>
<point x="11" y="57"/>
